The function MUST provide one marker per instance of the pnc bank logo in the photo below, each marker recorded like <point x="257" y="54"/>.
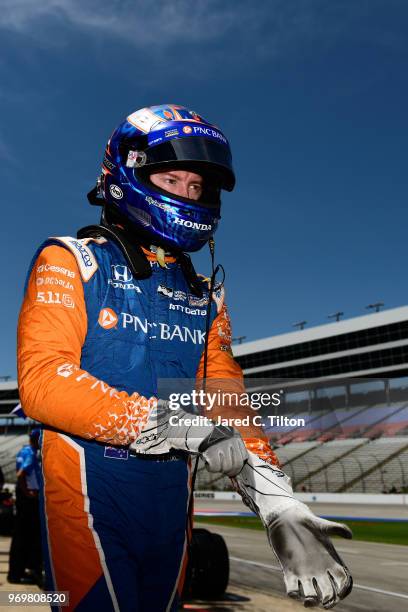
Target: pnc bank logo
<point x="107" y="318"/>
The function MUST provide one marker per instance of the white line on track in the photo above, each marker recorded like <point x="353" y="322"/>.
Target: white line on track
<point x="395" y="563"/>
<point x="355" y="585"/>
<point x="349" y="551"/>
<point x="274" y="567"/>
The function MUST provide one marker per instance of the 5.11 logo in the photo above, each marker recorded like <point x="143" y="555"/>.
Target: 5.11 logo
<point x="54" y="297"/>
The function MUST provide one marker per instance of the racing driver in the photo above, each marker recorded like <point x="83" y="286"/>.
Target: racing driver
<point x="107" y="316"/>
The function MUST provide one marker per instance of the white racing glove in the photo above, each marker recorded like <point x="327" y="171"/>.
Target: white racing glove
<point x="313" y="571"/>
<point x="221" y="448"/>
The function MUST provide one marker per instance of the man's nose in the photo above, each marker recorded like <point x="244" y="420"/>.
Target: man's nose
<point x="184" y="191"/>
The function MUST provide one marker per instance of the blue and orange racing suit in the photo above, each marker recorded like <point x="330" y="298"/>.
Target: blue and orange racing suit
<point x="92" y="345"/>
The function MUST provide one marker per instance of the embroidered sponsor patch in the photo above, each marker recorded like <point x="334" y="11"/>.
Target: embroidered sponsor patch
<point x="85" y="258"/>
<point x="111" y="452"/>
<point x="167" y="291"/>
<point x="199" y="302"/>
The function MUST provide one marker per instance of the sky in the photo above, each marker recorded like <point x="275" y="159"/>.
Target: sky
<point x="313" y="96"/>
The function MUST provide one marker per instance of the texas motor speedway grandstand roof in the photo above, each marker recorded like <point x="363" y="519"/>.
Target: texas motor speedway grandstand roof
<point x="374" y="345"/>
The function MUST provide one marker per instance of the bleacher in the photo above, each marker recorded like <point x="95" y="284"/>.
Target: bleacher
<point x="367" y="455"/>
<point x="290" y="451"/>
<point x="319" y="457"/>
<point x="392" y="424"/>
<point x="354" y="422"/>
<point x="394" y="473"/>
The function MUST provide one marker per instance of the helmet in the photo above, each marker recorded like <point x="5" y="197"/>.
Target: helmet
<point x="158" y="138"/>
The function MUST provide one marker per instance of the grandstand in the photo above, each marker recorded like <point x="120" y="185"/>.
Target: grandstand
<point x="348" y="380"/>
<point x="8" y="396"/>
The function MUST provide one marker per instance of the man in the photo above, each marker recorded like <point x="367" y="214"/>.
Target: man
<point x="25" y="550"/>
<point x="105" y="320"/>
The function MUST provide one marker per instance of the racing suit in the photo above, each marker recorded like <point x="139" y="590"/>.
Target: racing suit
<point x="93" y="343"/>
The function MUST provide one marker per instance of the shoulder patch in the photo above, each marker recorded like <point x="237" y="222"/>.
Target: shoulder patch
<point x="86" y="261"/>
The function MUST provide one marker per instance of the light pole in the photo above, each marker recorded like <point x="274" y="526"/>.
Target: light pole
<point x="299" y="324"/>
<point x="238" y="339"/>
<point x="336" y="315"/>
<point x="376" y="306"/>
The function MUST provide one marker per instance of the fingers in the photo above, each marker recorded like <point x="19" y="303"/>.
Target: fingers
<point x="227" y="456"/>
<point x="303" y="590"/>
<point x="309" y="595"/>
<point x="342" y="580"/>
<point x="232" y="458"/>
<point x="327" y="589"/>
<point x="235" y="458"/>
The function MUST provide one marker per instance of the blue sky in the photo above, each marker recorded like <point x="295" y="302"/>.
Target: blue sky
<point x="312" y="95"/>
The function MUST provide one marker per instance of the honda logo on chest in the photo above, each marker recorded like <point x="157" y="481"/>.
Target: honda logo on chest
<point x="121" y="273"/>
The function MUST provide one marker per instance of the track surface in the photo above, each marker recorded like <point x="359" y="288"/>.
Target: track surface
<point x="380" y="571"/>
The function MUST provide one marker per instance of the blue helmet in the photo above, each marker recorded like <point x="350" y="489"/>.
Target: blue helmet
<point x="164" y="137"/>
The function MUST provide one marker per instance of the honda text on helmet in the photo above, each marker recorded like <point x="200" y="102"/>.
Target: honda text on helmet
<point x="161" y="138"/>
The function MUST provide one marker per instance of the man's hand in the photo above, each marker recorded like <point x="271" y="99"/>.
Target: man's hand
<point x="223" y="451"/>
<point x="313" y="571"/>
<point x="221" y="448"/>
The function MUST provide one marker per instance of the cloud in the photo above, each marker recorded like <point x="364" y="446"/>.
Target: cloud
<point x="162" y="22"/>
<point x="264" y="27"/>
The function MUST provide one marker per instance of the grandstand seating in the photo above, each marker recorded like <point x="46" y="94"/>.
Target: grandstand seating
<point x="365" y="455"/>
<point x="394" y="473"/>
<point x="316" y="459"/>
<point x="289" y="452"/>
<point x="334" y="465"/>
<point x="313" y="423"/>
<point x="343" y="423"/>
<point x="394" y="423"/>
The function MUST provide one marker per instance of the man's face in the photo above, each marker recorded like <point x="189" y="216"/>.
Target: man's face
<point x="180" y="182"/>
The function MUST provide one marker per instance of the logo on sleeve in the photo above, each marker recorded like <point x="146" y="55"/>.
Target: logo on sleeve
<point x="107" y="318"/>
<point x="65" y="370"/>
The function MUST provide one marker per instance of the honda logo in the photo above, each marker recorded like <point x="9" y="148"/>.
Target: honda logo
<point x="121" y="273"/>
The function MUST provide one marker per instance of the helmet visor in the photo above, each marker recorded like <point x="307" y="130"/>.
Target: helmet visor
<point x="212" y="156"/>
